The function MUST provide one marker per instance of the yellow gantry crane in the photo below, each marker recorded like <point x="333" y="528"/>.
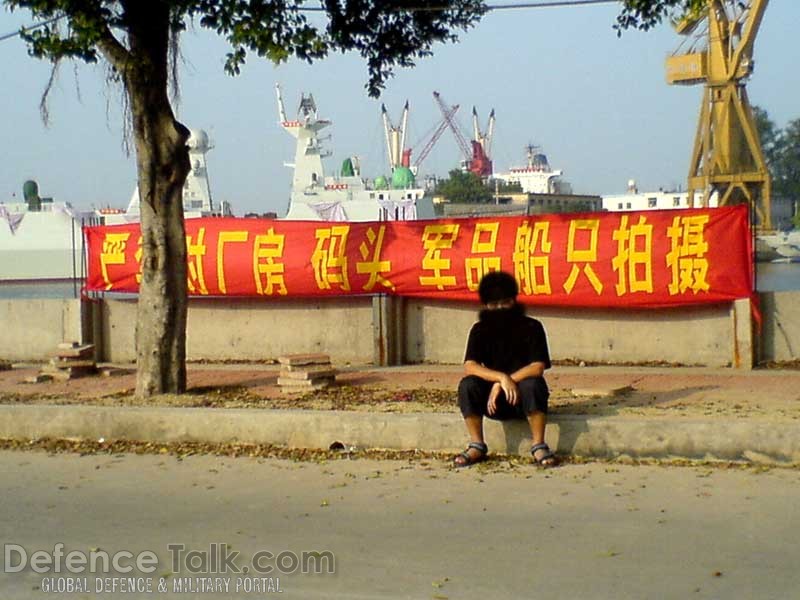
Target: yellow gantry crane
<point x="727" y="157"/>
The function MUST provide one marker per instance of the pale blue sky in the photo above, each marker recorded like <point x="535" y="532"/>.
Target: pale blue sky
<point x="558" y="77"/>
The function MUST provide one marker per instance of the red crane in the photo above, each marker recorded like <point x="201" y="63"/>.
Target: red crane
<point x="474" y="156"/>
<point x="434" y="137"/>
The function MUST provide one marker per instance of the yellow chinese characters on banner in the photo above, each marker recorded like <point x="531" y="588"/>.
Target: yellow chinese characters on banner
<point x="687" y="256"/>
<point x="329" y="258"/>
<point x="484" y="241"/>
<point x="374" y="267"/>
<point x="435" y="239"/>
<point x="267" y="270"/>
<point x="634" y="259"/>
<point x="226" y="237"/>
<point x="138" y="257"/>
<point x="531" y="258"/>
<point x="113" y="253"/>
<point x="585" y="256"/>
<point x="196" y="250"/>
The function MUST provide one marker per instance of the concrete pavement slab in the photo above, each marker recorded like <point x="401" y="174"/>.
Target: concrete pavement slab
<point x="755" y="440"/>
<point x="641" y="412"/>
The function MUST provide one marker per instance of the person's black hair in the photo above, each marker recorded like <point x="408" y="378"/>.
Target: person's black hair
<point x="497" y="285"/>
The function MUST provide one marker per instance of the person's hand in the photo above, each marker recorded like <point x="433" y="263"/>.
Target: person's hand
<point x="506" y="385"/>
<point x="491" y="406"/>
<point x="509" y="387"/>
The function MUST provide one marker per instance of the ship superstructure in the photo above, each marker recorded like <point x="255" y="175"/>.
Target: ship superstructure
<point x="346" y="196"/>
<point x="42" y="240"/>
<point x="537" y="177"/>
<point x="197" y="200"/>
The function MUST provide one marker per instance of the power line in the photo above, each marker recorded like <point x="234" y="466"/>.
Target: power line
<point x="493" y="7"/>
<point x="551" y="4"/>
<point x="488" y="7"/>
<point x="8" y="36"/>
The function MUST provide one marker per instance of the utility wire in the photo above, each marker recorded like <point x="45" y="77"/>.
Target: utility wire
<point x="8" y="36"/>
<point x="492" y="7"/>
<point x="488" y="7"/>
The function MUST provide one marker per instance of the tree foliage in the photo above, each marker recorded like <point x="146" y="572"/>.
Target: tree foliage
<point x="769" y="135"/>
<point x="505" y="187"/>
<point x="782" y="153"/>
<point x="786" y="169"/>
<point x="387" y="34"/>
<point x="463" y="187"/>
<point x="646" y="14"/>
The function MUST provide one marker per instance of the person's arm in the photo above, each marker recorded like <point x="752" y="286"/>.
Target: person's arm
<point x="473" y="367"/>
<point x="502" y="381"/>
<point x="534" y="369"/>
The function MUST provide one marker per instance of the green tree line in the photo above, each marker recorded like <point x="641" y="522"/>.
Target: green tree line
<point x="466" y="187"/>
<point x="781" y="149"/>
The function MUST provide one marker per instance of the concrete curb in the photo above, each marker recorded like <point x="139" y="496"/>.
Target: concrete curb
<point x="759" y="441"/>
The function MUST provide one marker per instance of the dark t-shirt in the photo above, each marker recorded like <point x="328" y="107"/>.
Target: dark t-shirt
<point x="508" y="349"/>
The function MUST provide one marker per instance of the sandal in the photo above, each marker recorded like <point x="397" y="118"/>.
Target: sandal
<point x="548" y="459"/>
<point x="465" y="459"/>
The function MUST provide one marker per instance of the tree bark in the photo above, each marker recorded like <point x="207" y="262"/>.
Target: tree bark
<point x="162" y="161"/>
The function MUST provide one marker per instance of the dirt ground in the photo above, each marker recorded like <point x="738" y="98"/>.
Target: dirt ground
<point x="681" y="392"/>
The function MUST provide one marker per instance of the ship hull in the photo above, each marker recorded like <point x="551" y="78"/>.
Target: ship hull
<point x="43" y="246"/>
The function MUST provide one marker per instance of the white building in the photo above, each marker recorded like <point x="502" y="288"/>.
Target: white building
<point x="659" y="200"/>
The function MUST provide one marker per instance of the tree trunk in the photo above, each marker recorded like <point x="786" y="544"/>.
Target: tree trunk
<point x="161" y="313"/>
<point x="162" y="161"/>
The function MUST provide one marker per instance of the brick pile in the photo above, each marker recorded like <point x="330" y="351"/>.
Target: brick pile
<point x="71" y="360"/>
<point x="302" y="373"/>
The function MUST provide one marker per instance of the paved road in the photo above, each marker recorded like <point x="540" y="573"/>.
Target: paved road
<point x="410" y="530"/>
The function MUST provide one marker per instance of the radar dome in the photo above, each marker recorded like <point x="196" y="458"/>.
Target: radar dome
<point x="402" y="178"/>
<point x="198" y="140"/>
<point x="381" y="183"/>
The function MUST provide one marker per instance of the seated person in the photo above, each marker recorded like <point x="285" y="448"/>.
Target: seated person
<point x="505" y="361"/>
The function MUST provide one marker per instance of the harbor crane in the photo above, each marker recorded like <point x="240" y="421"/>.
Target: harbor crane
<point x="396" y="139"/>
<point x="399" y="155"/>
<point x="484" y="138"/>
<point x="437" y="133"/>
<point x="475" y="159"/>
<point x="727" y="158"/>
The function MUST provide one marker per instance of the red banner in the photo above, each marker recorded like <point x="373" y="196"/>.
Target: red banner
<point x="644" y="259"/>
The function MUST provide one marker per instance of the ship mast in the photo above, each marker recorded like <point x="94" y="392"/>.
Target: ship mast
<point x="308" y="171"/>
<point x="395" y="138"/>
<point x="484" y="138"/>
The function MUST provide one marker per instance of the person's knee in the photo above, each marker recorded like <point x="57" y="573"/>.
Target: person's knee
<point x="535" y="394"/>
<point x="469" y="385"/>
<point x="469" y="395"/>
<point x="535" y="386"/>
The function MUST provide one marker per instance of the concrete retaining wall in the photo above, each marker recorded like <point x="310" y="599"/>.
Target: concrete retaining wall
<point x="436" y="332"/>
<point x="254" y="330"/>
<point x="31" y="329"/>
<point x="780" y="335"/>
<point x="365" y="330"/>
<point x="396" y="331"/>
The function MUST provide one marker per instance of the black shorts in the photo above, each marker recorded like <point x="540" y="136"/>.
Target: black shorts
<point x="473" y="397"/>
